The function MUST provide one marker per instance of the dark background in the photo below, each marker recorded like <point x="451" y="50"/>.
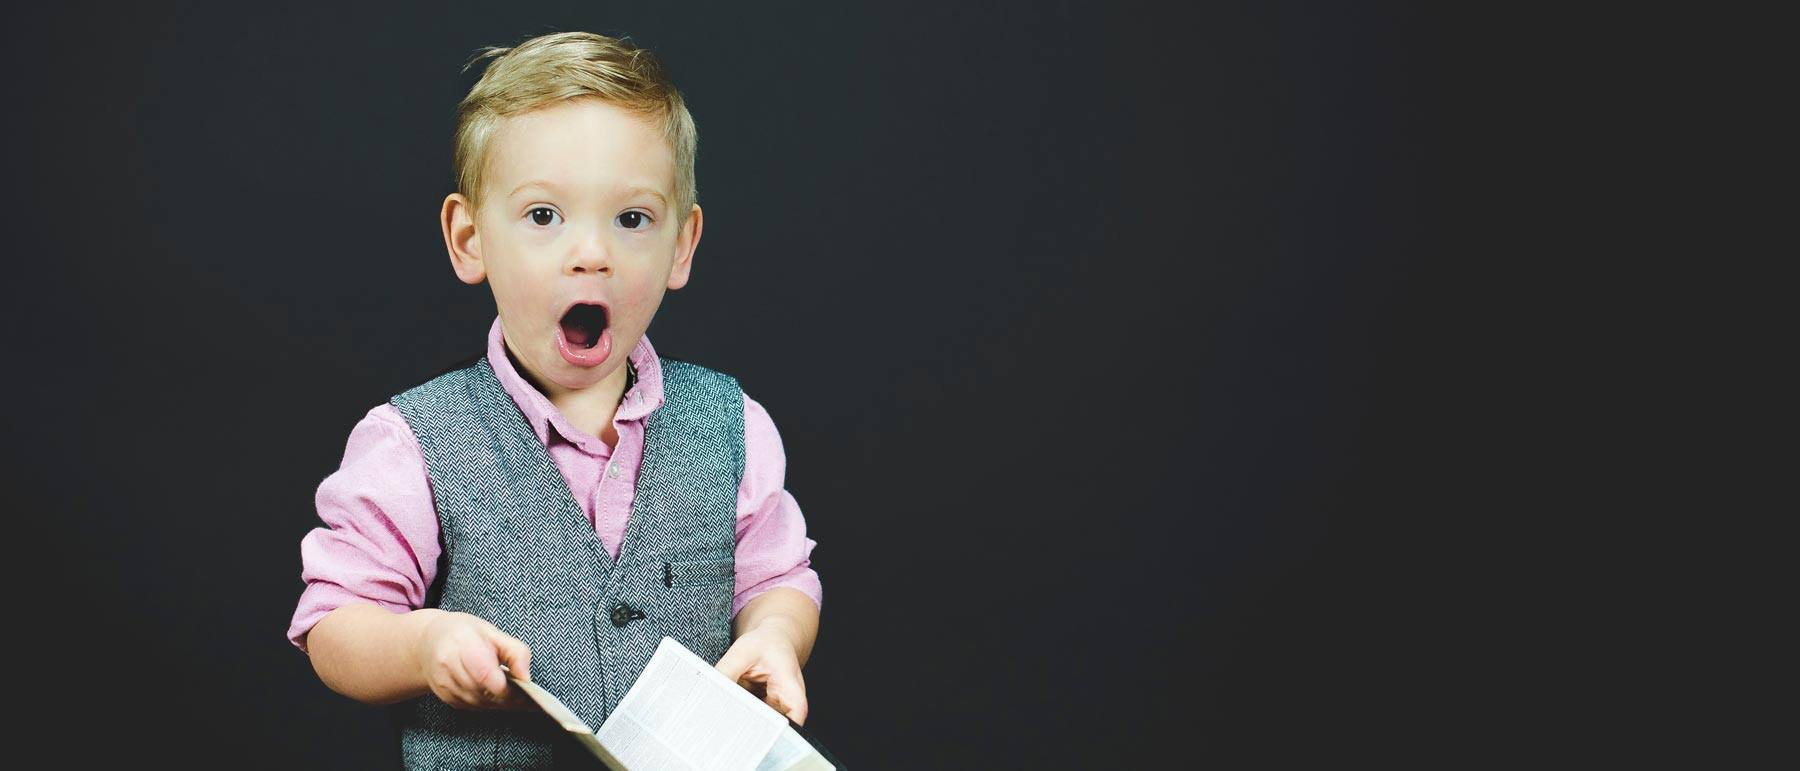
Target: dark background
<point x="1109" y="344"/>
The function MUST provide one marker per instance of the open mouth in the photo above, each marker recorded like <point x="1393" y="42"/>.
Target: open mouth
<point x="583" y="324"/>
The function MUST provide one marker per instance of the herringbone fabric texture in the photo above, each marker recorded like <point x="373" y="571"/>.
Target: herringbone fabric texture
<point x="520" y="553"/>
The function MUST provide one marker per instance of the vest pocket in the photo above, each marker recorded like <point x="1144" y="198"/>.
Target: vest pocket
<point x="697" y="603"/>
<point x="703" y="572"/>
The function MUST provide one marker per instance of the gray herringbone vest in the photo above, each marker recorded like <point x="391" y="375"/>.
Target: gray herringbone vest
<point x="520" y="553"/>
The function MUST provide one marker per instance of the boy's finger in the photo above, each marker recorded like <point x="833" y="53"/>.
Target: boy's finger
<point x="514" y="653"/>
<point x="461" y="684"/>
<point x="483" y="665"/>
<point x="788" y="696"/>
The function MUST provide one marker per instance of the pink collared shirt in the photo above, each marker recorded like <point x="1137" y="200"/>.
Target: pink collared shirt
<point x="380" y="540"/>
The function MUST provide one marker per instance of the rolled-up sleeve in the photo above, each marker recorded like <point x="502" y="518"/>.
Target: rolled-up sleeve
<point x="772" y="547"/>
<point x="379" y="539"/>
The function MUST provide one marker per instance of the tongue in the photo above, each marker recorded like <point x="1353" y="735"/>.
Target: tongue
<point x="579" y="335"/>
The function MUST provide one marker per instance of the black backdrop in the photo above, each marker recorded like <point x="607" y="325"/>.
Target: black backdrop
<point x="1099" y="337"/>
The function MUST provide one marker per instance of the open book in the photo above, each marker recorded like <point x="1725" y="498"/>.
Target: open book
<point x="683" y="714"/>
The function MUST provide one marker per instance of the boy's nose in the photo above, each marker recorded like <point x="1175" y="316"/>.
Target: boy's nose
<point x="590" y="255"/>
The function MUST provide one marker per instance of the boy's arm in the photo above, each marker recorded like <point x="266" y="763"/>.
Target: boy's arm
<point x="377" y="539"/>
<point x="776" y="607"/>
<point x="772" y="547"/>
<point x="366" y="571"/>
<point x="376" y="656"/>
<point x="785" y="611"/>
<point x="369" y="653"/>
<point x="774" y="637"/>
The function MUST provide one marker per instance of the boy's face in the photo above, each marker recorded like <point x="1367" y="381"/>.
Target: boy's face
<point x="577" y="236"/>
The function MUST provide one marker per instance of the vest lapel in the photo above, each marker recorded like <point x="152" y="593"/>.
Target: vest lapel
<point x="534" y="473"/>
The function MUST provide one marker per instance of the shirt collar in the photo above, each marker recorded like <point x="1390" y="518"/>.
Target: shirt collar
<point x="641" y="399"/>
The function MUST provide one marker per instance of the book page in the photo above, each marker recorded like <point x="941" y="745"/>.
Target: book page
<point x="567" y="718"/>
<point x="551" y="705"/>
<point x="793" y="753"/>
<point x="682" y="714"/>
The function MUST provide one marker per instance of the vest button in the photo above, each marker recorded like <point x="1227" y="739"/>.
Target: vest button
<point x="622" y="614"/>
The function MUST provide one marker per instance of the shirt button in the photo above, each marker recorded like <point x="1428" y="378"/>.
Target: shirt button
<point x="612" y="470"/>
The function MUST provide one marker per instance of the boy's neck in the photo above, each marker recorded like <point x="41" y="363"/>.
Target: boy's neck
<point x="588" y="409"/>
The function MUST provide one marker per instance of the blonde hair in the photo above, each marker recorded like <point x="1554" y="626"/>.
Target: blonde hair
<point x="553" y="68"/>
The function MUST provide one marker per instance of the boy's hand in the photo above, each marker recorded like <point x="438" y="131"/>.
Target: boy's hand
<point x="765" y="662"/>
<point x="460" y="657"/>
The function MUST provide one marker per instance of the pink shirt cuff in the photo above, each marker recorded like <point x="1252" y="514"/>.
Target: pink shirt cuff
<point x="318" y="601"/>
<point x="802" y="578"/>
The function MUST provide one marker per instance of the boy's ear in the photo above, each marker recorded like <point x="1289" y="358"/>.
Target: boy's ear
<point x="460" y="238"/>
<point x="685" y="243"/>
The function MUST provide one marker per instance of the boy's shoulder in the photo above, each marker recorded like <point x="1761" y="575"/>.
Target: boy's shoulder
<point x="453" y="373"/>
<point x="701" y="393"/>
<point x="681" y="368"/>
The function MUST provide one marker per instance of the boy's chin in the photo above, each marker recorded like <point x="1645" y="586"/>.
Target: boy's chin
<point x="578" y="378"/>
<point x="572" y="375"/>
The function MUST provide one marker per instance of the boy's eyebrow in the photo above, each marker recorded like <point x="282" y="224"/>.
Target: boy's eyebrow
<point x="534" y="183"/>
<point x="649" y="191"/>
<point x="550" y="186"/>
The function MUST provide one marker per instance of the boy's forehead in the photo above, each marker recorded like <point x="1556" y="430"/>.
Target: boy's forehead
<point x="582" y="143"/>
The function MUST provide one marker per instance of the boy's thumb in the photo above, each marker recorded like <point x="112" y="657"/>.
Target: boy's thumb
<point x="736" y="660"/>
<point x="514" y="653"/>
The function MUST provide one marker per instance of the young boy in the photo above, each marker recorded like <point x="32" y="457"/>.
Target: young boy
<point x="570" y="498"/>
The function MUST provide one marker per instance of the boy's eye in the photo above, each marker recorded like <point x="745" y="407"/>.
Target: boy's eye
<point x="543" y="215"/>
<point x="634" y="220"/>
